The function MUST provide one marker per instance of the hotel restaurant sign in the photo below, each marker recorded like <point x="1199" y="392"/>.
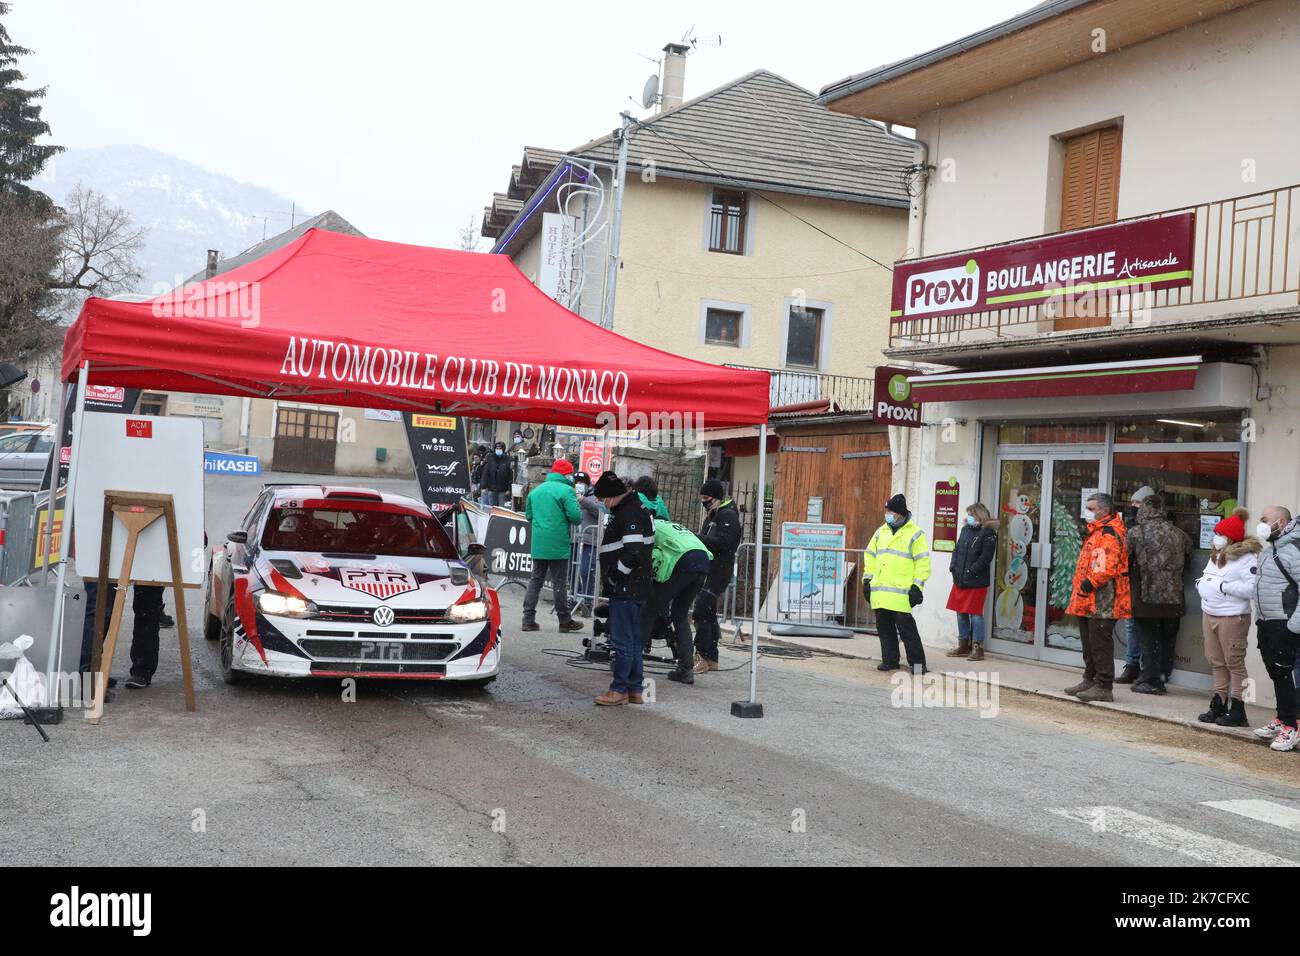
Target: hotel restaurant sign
<point x="1144" y="255"/>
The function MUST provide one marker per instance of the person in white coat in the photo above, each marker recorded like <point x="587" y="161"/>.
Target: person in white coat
<point x="1226" y="587"/>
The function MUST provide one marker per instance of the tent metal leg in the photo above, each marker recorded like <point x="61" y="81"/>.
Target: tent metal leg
<point x="751" y="707"/>
<point x="65" y="542"/>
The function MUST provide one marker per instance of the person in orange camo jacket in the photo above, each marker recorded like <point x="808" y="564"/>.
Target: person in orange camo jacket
<point x="1101" y="596"/>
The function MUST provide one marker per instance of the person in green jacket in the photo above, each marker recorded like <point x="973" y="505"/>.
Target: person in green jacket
<point x="551" y="509"/>
<point x="648" y="490"/>
<point x="895" y="567"/>
<point x="681" y="564"/>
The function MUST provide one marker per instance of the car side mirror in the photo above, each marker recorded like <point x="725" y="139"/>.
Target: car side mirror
<point x="475" y="550"/>
<point x="237" y="537"/>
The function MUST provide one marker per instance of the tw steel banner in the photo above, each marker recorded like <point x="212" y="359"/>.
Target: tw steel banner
<point x="1148" y="254"/>
<point x="441" y="458"/>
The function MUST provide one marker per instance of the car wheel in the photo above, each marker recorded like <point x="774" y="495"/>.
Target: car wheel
<point x="211" y="623"/>
<point x="229" y="673"/>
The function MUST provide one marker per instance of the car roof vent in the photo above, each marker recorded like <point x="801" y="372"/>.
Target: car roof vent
<point x="353" y="494"/>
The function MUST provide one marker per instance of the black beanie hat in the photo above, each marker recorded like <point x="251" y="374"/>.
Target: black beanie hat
<point x="609" y="485"/>
<point x="897" y="504"/>
<point x="712" y="488"/>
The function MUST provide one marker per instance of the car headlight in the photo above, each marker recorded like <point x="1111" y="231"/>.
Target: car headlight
<point x="470" y="611"/>
<point x="285" y="605"/>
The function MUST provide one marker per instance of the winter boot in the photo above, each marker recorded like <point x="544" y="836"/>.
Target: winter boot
<point x="1235" y="715"/>
<point x="961" y="650"/>
<point x="1129" y="674"/>
<point x="1217" y="710"/>
<point x="1096" y="692"/>
<point x="976" y="653"/>
<point x="1074" y="690"/>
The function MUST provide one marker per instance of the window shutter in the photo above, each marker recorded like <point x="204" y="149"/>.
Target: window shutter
<point x="1089" y="197"/>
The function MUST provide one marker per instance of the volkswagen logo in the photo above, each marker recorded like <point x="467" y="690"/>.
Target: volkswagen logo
<point x="382" y="615"/>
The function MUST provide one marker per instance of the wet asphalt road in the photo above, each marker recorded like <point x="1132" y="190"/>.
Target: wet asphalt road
<point x="528" y="771"/>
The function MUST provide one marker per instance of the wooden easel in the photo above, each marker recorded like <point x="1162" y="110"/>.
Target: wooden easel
<point x="136" y="511"/>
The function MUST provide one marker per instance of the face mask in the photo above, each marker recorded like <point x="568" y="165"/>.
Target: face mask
<point x="971" y="522"/>
<point x="1264" y="531"/>
<point x="582" y="489"/>
<point x="705" y="503"/>
<point x="1089" y="515"/>
<point x="518" y="441"/>
<point x="499" y="452"/>
<point x="891" y="520"/>
<point x="1220" y="542"/>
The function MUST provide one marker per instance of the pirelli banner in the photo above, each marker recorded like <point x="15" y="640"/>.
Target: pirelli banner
<point x="441" y="458"/>
<point x="1147" y="254"/>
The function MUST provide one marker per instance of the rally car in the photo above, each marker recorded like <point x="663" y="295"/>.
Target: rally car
<point x="346" y="582"/>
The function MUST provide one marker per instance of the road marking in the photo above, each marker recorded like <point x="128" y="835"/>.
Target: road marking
<point x="1167" y="836"/>
<point x="1265" y="810"/>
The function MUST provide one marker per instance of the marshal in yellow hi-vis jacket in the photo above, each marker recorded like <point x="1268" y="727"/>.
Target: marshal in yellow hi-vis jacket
<point x="896" y="560"/>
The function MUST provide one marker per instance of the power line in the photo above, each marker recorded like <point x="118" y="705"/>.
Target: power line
<point x="795" y="215"/>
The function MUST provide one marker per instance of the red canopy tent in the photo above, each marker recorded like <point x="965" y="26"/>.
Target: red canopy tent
<point x="346" y="320"/>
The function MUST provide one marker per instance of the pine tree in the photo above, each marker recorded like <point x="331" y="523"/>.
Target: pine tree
<point x="1067" y="543"/>
<point x="21" y="157"/>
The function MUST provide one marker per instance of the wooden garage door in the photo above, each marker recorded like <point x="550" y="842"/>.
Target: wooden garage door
<point x="851" y="476"/>
<point x="305" y="440"/>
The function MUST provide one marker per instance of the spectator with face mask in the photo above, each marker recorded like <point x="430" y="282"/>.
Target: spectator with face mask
<point x="895" y="567"/>
<point x="1133" y="643"/>
<point x="977" y="545"/>
<point x="1277" y="602"/>
<point x="1158" y="554"/>
<point x="721" y="533"/>
<point x="1226" y="586"/>
<point x="1101" y="597"/>
<point x="498" y="474"/>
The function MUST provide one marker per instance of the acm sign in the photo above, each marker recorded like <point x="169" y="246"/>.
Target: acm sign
<point x="892" y="401"/>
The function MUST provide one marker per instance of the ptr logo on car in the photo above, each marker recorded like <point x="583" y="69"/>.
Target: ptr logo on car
<point x="378" y="583"/>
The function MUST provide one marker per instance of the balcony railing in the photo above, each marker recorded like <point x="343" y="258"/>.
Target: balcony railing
<point x="847" y="393"/>
<point x="1247" y="250"/>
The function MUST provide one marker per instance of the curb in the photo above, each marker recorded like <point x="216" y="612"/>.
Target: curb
<point x="1231" y="733"/>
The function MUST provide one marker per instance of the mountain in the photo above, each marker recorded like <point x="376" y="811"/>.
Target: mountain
<point x="186" y="209"/>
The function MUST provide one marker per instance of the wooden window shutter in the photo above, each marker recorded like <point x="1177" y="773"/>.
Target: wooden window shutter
<point x="1090" y="187"/>
<point x="1089" y="197"/>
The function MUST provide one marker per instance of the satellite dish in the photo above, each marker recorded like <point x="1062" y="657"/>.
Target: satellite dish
<point x="650" y="92"/>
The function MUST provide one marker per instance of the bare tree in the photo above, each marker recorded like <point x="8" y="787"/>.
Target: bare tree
<point x="469" y="237"/>
<point x="98" y="248"/>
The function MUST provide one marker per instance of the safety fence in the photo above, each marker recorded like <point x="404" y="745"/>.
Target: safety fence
<point x="808" y="588"/>
<point x="18" y="534"/>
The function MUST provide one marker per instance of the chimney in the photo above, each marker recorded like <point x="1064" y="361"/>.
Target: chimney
<point x="213" y="257"/>
<point x="673" y="86"/>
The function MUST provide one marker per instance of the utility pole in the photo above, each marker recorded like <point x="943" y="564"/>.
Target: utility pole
<point x="620" y="181"/>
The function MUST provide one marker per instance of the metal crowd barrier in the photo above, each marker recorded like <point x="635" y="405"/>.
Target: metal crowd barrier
<point x="810" y="588"/>
<point x="18" y="534"/>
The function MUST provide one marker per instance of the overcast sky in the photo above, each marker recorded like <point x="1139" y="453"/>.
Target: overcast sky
<point x="405" y="117"/>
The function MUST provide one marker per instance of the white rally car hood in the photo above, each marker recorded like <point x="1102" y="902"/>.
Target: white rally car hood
<point x="368" y="582"/>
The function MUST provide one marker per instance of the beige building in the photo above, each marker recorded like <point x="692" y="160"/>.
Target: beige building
<point x="756" y="231"/>
<point x="1163" y="134"/>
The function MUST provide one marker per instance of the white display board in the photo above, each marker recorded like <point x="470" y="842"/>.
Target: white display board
<point x="140" y="453"/>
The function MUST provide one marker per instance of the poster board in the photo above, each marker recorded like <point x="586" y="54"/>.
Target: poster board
<point x="141" y="453"/>
<point x="947" y="498"/>
<point x="441" y="457"/>
<point x="812" y="581"/>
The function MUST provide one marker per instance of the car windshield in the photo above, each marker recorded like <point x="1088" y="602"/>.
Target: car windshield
<point x="356" y="529"/>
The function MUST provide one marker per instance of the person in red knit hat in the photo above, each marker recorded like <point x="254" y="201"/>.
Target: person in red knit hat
<point x="1226" y="586"/>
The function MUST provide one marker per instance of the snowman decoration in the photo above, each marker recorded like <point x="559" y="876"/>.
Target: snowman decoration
<point x="1009" y="609"/>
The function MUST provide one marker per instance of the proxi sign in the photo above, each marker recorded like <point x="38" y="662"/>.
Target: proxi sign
<point x="892" y="401"/>
<point x="1133" y="256"/>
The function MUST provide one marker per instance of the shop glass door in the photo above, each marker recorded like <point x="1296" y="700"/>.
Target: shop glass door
<point x="1073" y="480"/>
<point x="1015" y="574"/>
<point x="1040" y="534"/>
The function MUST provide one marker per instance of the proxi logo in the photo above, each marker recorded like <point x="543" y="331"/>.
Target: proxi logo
<point x="77" y="909"/>
<point x="957" y="287"/>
